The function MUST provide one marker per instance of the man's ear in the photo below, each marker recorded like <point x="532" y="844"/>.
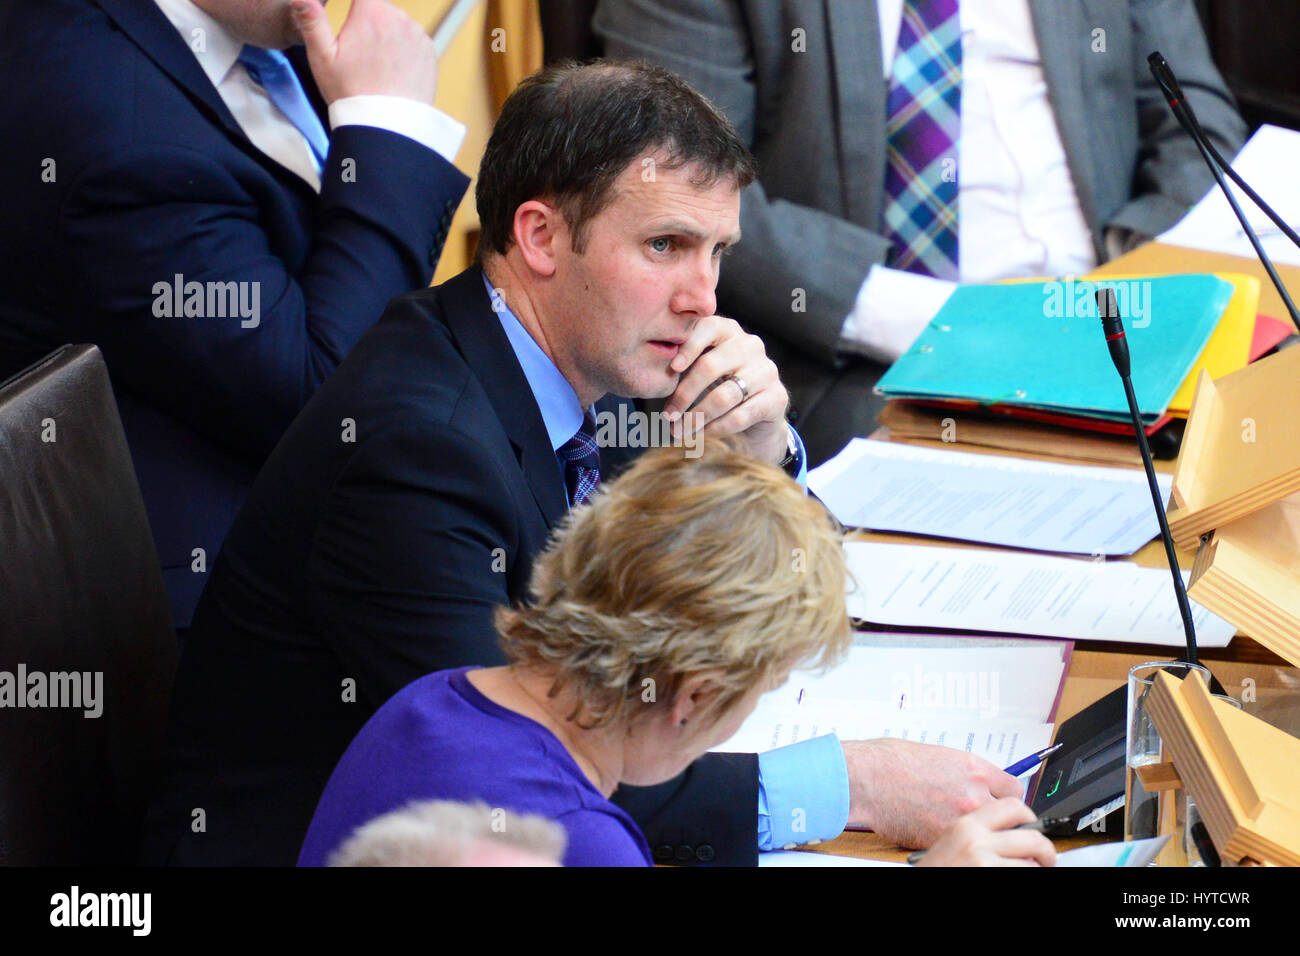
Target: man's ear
<point x="538" y="230"/>
<point x="694" y="698"/>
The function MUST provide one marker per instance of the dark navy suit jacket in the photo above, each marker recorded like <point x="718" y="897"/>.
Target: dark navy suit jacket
<point x="121" y="167"/>
<point x="403" y="505"/>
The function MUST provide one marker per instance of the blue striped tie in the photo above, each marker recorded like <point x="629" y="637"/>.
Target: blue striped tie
<point x="271" y="70"/>
<point x="581" y="458"/>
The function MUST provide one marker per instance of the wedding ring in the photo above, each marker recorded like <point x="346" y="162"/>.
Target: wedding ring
<point x="740" y="383"/>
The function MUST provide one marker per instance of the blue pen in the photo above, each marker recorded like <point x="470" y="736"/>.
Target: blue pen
<point x="1032" y="761"/>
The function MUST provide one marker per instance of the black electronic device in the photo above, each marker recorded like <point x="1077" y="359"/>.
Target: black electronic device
<point x="1083" y="782"/>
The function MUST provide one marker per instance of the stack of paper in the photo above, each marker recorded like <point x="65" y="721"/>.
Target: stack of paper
<point x="1005" y="592"/>
<point x="1019" y="503"/>
<point x="991" y="701"/>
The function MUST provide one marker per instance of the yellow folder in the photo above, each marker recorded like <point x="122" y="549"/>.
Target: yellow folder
<point x="1229" y="346"/>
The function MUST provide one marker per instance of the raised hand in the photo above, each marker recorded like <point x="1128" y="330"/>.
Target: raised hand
<point x="379" y="51"/>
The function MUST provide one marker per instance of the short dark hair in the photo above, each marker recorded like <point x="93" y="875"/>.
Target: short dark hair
<point x="568" y="131"/>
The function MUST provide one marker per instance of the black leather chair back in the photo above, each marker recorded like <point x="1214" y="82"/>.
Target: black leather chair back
<point x="84" y="622"/>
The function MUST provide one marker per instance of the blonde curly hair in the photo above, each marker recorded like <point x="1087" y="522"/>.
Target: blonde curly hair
<point x="682" y="566"/>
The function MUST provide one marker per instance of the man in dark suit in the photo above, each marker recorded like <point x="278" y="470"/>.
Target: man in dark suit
<point x="905" y="143"/>
<point x="410" y="497"/>
<point x="223" y="222"/>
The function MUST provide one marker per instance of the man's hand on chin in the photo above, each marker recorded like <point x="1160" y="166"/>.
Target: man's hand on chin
<point x="379" y="51"/>
<point x="910" y="793"/>
<point x="729" y="386"/>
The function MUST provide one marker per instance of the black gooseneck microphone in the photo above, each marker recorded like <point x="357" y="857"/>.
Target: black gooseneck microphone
<point x="1113" y="326"/>
<point x="1182" y="109"/>
<point x="1186" y="117"/>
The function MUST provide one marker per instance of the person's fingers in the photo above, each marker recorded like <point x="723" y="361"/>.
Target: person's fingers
<point x="725" y="394"/>
<point x="706" y="355"/>
<point x="1003" y="814"/>
<point x="363" y="9"/>
<point x="1024" y="844"/>
<point x="369" y="19"/>
<point x="768" y="405"/>
<point x="715" y="346"/>
<point x="379" y="50"/>
<point x="696" y="387"/>
<point x="712" y="383"/>
<point x="314" y="27"/>
<point x="1005" y="786"/>
<point x="703" y="335"/>
<point x="1044" y="852"/>
<point x="999" y="782"/>
<point x="719" y="398"/>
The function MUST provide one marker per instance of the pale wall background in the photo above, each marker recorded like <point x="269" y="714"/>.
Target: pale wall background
<point x="473" y="79"/>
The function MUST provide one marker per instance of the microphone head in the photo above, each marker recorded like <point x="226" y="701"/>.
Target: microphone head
<point x="1113" y="326"/>
<point x="1108" y="309"/>
<point x="1165" y="78"/>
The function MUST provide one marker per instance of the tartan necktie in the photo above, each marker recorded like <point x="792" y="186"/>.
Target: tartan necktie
<point x="271" y="70"/>
<point x="581" y="458"/>
<point x="921" y="129"/>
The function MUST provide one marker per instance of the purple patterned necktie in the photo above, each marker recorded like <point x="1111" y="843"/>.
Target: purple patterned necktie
<point x="921" y="130"/>
<point x="581" y="458"/>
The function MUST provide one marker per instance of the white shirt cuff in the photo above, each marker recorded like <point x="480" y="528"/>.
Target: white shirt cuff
<point x="891" y="310"/>
<point x="427" y="125"/>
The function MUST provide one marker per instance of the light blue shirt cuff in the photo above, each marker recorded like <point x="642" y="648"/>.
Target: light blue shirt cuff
<point x="803" y="793"/>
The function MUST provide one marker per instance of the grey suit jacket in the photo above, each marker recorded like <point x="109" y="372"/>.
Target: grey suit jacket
<point x="815" y="120"/>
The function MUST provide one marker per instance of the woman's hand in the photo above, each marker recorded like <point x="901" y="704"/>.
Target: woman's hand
<point x="986" y="837"/>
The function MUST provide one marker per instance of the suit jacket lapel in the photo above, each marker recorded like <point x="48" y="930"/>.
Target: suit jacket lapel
<point x="853" y="35"/>
<point x="1062" y="32"/>
<point x="145" y="24"/>
<point x="468" y="313"/>
<point x="150" y="30"/>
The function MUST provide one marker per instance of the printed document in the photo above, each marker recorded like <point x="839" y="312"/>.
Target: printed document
<point x="992" y="701"/>
<point x="977" y="589"/>
<point x="992" y="499"/>
<point x="1267" y="163"/>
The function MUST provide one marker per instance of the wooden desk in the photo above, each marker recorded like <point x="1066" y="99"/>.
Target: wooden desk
<point x="1245" y="668"/>
<point x="1093" y="674"/>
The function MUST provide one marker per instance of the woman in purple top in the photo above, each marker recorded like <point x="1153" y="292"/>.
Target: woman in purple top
<point x="440" y="737"/>
<point x="660" y="613"/>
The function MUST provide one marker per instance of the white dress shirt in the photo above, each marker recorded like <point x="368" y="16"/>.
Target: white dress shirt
<point x="1018" y="212"/>
<point x="217" y="51"/>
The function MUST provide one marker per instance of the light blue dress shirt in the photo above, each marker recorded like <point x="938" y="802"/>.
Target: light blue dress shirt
<point x="803" y="789"/>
